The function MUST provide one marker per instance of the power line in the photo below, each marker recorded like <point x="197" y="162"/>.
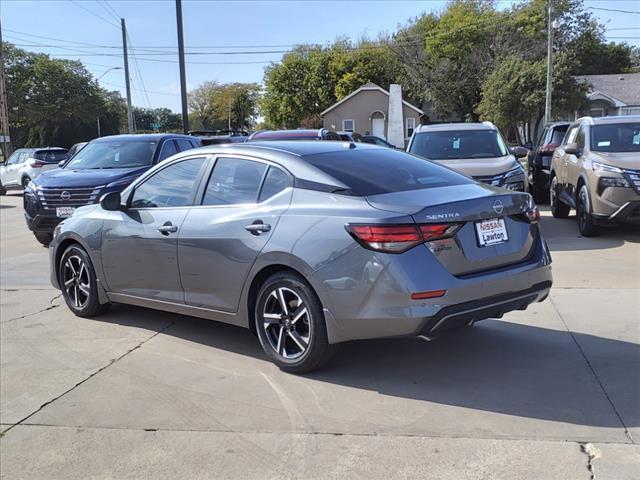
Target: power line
<point x="108" y="11"/>
<point x="94" y="14"/>
<point x="613" y="10"/>
<point x="137" y="68"/>
<point x="155" y="92"/>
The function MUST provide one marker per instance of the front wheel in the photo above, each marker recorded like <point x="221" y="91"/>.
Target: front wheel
<point x="78" y="282"/>
<point x="558" y="208"/>
<point x="25" y="182"/>
<point x="290" y="324"/>
<point x="586" y="224"/>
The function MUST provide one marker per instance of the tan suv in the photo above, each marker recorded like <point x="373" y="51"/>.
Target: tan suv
<point x="596" y="170"/>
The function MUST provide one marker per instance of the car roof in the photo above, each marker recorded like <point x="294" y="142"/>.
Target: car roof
<point x="609" y="120"/>
<point x="445" y="127"/>
<point x="289" y="155"/>
<point x="142" y="136"/>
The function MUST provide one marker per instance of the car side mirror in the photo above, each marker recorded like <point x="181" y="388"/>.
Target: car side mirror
<point x="111" y="202"/>
<point x="571" y="149"/>
<point x="520" y="152"/>
<point x="61" y="163"/>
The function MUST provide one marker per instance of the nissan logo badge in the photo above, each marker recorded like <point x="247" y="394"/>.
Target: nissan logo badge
<point x="67" y="196"/>
<point x="498" y="207"/>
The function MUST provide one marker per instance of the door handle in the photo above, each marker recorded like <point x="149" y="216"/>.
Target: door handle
<point x="258" y="227"/>
<point x="168" y="228"/>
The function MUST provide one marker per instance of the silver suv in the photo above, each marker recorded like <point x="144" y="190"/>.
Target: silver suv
<point x="596" y="170"/>
<point x="473" y="149"/>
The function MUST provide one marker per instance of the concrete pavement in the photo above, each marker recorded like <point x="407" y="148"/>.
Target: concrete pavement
<point x="139" y="393"/>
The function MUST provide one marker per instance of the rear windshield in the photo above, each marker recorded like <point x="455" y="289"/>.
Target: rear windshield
<point x="114" y="154"/>
<point x="50" y="156"/>
<point x="558" y="134"/>
<point x="458" y="144"/>
<point x="616" y="137"/>
<point x="378" y="171"/>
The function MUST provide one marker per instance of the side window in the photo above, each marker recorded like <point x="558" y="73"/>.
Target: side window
<point x="571" y="135"/>
<point x="169" y="187"/>
<point x="184" y="144"/>
<point x="411" y="125"/>
<point x="275" y="181"/>
<point x="15" y="158"/>
<point x="234" y="181"/>
<point x="580" y="137"/>
<point x="168" y="149"/>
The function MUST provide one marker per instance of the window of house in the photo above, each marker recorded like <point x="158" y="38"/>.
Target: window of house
<point x="596" y="112"/>
<point x="411" y="126"/>
<point x="349" y="125"/>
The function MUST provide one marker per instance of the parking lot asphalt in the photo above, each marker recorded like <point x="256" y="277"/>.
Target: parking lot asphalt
<point x="144" y="394"/>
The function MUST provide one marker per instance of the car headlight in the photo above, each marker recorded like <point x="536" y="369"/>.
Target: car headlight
<point x="606" y="182"/>
<point x="601" y="167"/>
<point x="517" y="170"/>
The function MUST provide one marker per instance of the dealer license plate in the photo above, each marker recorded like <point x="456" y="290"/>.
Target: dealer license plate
<point x="491" y="232"/>
<point x="64" y="212"/>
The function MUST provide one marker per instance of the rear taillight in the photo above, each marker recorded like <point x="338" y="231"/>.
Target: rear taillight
<point x="400" y="238"/>
<point x="549" y="148"/>
<point x="36" y="164"/>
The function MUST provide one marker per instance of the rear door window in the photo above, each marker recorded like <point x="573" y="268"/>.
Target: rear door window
<point x="377" y="171"/>
<point x="168" y="149"/>
<point x="184" y="144"/>
<point x="275" y="181"/>
<point x="558" y="134"/>
<point x="234" y="181"/>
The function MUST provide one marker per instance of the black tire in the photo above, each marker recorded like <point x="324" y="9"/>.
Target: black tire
<point x="540" y="194"/>
<point x="295" y="345"/>
<point x="586" y="225"/>
<point x="25" y="182"/>
<point x="3" y="191"/>
<point x="81" y="295"/>
<point x="44" y="238"/>
<point x="558" y="208"/>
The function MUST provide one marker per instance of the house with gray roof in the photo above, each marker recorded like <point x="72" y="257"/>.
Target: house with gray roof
<point x="615" y="94"/>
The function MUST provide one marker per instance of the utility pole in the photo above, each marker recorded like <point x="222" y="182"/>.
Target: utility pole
<point x="126" y="76"/>
<point x="5" y="142"/>
<point x="183" y="75"/>
<point x="550" y="27"/>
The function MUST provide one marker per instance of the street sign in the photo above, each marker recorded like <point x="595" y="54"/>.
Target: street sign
<point x="155" y="126"/>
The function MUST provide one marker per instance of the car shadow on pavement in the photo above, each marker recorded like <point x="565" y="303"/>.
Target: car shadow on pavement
<point x="496" y="366"/>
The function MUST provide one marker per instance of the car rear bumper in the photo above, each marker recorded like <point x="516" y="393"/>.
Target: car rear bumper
<point x="379" y="306"/>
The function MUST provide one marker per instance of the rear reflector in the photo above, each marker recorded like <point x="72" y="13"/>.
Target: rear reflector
<point x="431" y="294"/>
<point x="36" y="164"/>
<point x="399" y="238"/>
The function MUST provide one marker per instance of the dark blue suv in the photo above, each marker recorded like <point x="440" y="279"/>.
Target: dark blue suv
<point x="104" y="165"/>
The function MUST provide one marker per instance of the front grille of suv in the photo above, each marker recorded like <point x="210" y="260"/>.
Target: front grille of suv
<point x="51" y="198"/>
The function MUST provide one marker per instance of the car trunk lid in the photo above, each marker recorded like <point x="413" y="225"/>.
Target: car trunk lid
<point x="495" y="231"/>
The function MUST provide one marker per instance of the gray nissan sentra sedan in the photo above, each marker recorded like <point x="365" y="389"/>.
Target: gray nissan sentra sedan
<point x="307" y="244"/>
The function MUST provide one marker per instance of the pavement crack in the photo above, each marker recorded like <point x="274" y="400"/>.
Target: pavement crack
<point x="593" y="371"/>
<point x="592" y="454"/>
<point x="111" y="362"/>
<point x="51" y="306"/>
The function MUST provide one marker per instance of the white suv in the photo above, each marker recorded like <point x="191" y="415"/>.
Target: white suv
<point x="26" y="164"/>
<point x="473" y="149"/>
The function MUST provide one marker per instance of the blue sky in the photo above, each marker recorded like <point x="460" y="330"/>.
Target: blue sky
<point x="227" y="25"/>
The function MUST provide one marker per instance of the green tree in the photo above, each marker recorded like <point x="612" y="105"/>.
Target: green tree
<point x="53" y="102"/>
<point x="218" y="106"/>
<point x="513" y="95"/>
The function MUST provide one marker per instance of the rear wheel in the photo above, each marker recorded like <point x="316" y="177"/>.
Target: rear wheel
<point x="586" y="225"/>
<point x="44" y="238"/>
<point x="77" y="280"/>
<point x="3" y="191"/>
<point x="290" y="324"/>
<point x="25" y="182"/>
<point x="558" y="208"/>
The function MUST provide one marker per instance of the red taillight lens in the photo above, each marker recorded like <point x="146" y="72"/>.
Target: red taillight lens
<point x="549" y="148"/>
<point x="36" y="164"/>
<point x="400" y="238"/>
<point x="425" y="295"/>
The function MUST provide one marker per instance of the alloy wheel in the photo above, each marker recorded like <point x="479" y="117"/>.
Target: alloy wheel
<point x="286" y="323"/>
<point x="77" y="282"/>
